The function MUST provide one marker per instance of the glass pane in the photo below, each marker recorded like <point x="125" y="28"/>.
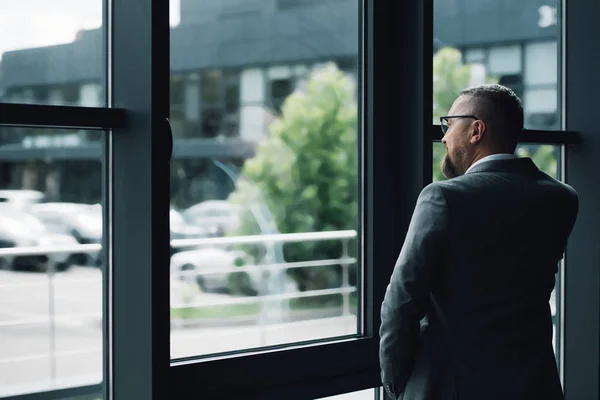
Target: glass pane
<point x="52" y="52"/>
<point x="548" y="159"/>
<point x="514" y="43"/>
<point x="264" y="175"/>
<point x="50" y="286"/>
<point x="368" y="394"/>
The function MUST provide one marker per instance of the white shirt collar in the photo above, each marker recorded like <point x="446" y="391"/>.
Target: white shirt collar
<point x="493" y="157"/>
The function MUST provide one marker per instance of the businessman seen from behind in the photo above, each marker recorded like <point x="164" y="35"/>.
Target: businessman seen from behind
<point x="466" y="314"/>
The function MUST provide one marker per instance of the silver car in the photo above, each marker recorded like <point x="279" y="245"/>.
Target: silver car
<point x="20" y="229"/>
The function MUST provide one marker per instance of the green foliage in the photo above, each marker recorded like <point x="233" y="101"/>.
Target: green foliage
<point x="450" y="76"/>
<point x="240" y="282"/>
<point x="438" y="155"/>
<point x="544" y="156"/>
<point x="305" y="172"/>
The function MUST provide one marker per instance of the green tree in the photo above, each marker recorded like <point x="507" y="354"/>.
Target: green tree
<point x="450" y="76"/>
<point x="305" y="173"/>
<point x="544" y="156"/>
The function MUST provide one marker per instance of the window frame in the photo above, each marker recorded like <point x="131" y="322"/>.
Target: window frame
<point x="137" y="320"/>
<point x="581" y="283"/>
<point x="136" y="323"/>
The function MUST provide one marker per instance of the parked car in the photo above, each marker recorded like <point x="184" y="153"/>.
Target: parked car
<point x="21" y="229"/>
<point x="218" y="215"/>
<point x="20" y="198"/>
<point x="201" y="263"/>
<point x="180" y="229"/>
<point x="82" y="221"/>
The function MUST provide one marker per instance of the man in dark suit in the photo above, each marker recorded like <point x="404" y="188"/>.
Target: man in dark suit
<point x="466" y="314"/>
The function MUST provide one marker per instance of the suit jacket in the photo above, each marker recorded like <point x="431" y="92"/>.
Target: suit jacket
<point x="466" y="314"/>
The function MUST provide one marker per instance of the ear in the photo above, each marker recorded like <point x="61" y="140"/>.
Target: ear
<point x="478" y="132"/>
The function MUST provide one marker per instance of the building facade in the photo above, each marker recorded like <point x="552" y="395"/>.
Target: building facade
<point x="233" y="63"/>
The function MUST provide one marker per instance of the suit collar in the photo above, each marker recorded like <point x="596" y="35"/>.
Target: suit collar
<point x="517" y="165"/>
<point x="492" y="157"/>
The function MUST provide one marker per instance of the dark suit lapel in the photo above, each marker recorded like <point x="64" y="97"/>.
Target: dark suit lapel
<point x="517" y="165"/>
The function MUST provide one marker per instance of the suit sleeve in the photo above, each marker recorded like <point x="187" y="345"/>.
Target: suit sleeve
<point x="407" y="296"/>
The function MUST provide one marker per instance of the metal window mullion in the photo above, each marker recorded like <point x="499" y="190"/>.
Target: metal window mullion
<point x="138" y="324"/>
<point x="401" y="163"/>
<point x="34" y="115"/>
<point x="530" y="136"/>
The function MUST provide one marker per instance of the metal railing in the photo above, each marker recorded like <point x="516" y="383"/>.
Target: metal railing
<point x="265" y="297"/>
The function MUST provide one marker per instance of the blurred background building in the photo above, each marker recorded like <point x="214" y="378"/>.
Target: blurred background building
<point x="233" y="63"/>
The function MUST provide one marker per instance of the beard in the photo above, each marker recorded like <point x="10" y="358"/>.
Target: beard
<point x="454" y="166"/>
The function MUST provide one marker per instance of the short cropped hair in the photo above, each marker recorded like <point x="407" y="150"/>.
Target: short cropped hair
<point x="501" y="110"/>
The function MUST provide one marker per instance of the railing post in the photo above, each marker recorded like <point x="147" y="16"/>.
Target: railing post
<point x="264" y="306"/>
<point x="345" y="278"/>
<point x="51" y="320"/>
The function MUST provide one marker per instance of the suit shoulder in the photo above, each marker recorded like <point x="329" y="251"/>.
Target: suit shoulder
<point x="567" y="190"/>
<point x="448" y="186"/>
<point x="434" y="192"/>
<point x="435" y="188"/>
<point x="571" y="193"/>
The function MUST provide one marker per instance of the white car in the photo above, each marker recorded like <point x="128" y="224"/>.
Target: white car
<point x="19" y="229"/>
<point x="203" y="265"/>
<point x="218" y="215"/>
<point x="21" y="198"/>
<point x="82" y="221"/>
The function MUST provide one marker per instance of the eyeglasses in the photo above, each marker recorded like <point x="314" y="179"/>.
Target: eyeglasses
<point x="444" y="120"/>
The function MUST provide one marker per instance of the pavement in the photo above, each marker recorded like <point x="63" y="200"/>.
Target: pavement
<point x="39" y="352"/>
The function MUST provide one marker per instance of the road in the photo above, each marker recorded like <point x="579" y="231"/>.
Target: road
<point x="42" y="353"/>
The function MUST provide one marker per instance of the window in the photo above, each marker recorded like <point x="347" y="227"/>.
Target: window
<point x="205" y="104"/>
<point x="47" y="46"/>
<point x="521" y="53"/>
<point x="300" y="185"/>
<point x="108" y="146"/>
<point x="291" y="4"/>
<point x="51" y="180"/>
<point x="236" y="7"/>
<point x="51" y="293"/>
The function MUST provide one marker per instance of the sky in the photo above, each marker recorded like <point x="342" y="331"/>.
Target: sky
<point x="36" y="23"/>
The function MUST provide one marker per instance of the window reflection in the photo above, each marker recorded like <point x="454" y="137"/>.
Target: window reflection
<point x="265" y="174"/>
<point x="50" y="286"/>
<point x="472" y="47"/>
